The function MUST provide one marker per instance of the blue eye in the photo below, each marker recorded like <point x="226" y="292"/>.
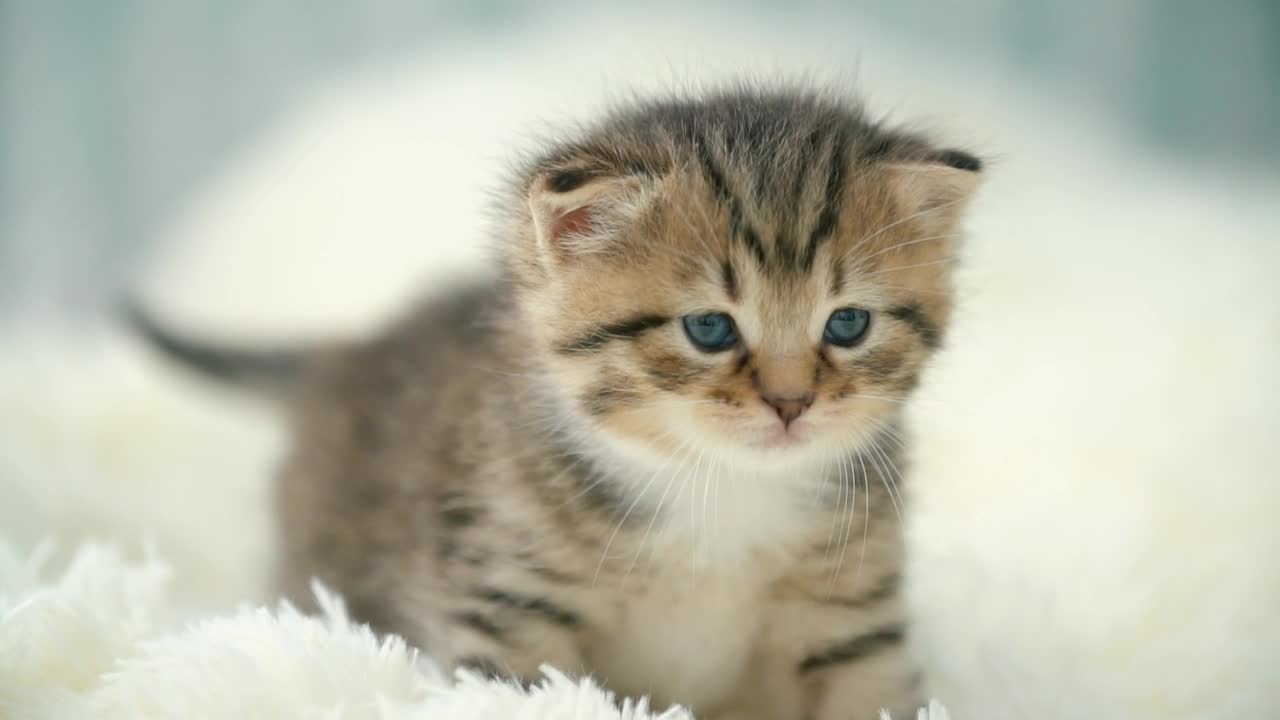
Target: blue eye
<point x="711" y="332"/>
<point x="847" y="326"/>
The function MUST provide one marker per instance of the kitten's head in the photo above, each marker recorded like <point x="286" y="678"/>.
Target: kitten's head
<point x="761" y="275"/>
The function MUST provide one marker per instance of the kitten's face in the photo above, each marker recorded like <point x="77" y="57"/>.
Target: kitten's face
<point x="725" y="313"/>
<point x="679" y="339"/>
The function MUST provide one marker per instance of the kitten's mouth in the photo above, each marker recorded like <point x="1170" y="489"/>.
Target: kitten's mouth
<point x="778" y="437"/>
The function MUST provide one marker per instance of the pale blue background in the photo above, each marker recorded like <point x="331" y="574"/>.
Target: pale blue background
<point x="110" y="112"/>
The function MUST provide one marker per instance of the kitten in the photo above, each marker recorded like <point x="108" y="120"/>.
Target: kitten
<point x="660" y="448"/>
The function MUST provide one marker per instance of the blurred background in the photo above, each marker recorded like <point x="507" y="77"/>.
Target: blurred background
<point x="276" y="170"/>
<point x="114" y="115"/>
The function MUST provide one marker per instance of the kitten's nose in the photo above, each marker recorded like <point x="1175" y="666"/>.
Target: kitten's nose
<point x="789" y="408"/>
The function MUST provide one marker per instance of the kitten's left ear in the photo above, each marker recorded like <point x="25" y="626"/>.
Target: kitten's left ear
<point x="942" y="183"/>
<point x="576" y="212"/>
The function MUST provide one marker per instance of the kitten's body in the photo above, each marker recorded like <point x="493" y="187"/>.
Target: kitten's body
<point x="509" y="556"/>
<point x="547" y="469"/>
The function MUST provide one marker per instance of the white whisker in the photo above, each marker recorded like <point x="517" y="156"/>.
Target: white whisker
<point x="848" y="525"/>
<point x="630" y="509"/>
<point x="864" y="396"/>
<point x="706" y="492"/>
<point x="866" y="514"/>
<point x="882" y="271"/>
<point x="835" y="518"/>
<point x="885" y="475"/>
<point x="862" y="260"/>
<point x="653" y="519"/>
<point x="868" y="238"/>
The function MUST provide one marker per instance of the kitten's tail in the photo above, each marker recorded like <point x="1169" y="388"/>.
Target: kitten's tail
<point x="270" y="371"/>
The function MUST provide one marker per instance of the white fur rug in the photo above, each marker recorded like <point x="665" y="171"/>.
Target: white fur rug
<point x="98" y="639"/>
<point x="1100" y="452"/>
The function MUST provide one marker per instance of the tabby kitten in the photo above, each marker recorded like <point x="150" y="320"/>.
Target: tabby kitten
<point x="661" y="447"/>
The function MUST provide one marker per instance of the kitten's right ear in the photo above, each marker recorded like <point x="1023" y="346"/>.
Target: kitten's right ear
<point x="943" y="182"/>
<point x="576" y="212"/>
<point x="947" y="178"/>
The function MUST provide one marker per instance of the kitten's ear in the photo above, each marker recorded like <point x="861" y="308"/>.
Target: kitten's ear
<point x="576" y="213"/>
<point x="943" y="183"/>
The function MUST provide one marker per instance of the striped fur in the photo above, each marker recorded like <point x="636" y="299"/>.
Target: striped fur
<point x="547" y="469"/>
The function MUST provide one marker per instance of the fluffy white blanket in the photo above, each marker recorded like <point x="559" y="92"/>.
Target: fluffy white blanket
<point x="98" y="640"/>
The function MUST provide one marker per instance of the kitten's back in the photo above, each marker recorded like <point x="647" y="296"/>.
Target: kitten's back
<point x="370" y="422"/>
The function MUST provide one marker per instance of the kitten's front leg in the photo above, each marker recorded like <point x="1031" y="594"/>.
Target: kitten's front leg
<point x="504" y="634"/>
<point x="772" y="690"/>
<point x="788" y="686"/>
<point x="861" y="693"/>
<point x="859" y="667"/>
<point x="520" y="664"/>
<point x="844" y="644"/>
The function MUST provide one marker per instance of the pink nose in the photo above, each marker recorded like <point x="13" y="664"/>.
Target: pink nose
<point x="789" y="408"/>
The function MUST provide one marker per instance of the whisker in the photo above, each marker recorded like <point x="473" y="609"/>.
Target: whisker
<point x="848" y="527"/>
<point x="848" y="522"/>
<point x="885" y="476"/>
<point x="693" y="505"/>
<point x="583" y="492"/>
<point x="653" y="519"/>
<point x="866" y="514"/>
<point x="835" y="519"/>
<point x="706" y="491"/>
<point x="896" y="223"/>
<point x="707" y="226"/>
<point x="715" y="466"/>
<point x="686" y="480"/>
<point x="864" y="396"/>
<point x="820" y="487"/>
<point x="882" y="271"/>
<point x="630" y="509"/>
<point x="946" y="236"/>
<point x="880" y="287"/>
<point x="890" y="431"/>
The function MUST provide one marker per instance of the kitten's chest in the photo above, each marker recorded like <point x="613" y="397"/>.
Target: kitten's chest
<point x="689" y="601"/>
<point x="681" y="636"/>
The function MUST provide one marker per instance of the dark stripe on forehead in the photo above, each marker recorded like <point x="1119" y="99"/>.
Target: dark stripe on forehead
<point x="599" y="337"/>
<point x="709" y="168"/>
<point x="837" y="276"/>
<point x="752" y="241"/>
<point x="913" y="315"/>
<point x="836" y="172"/>
<point x="738" y="227"/>
<point x="730" y="279"/>
<point x="785" y="251"/>
<point x="804" y="160"/>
